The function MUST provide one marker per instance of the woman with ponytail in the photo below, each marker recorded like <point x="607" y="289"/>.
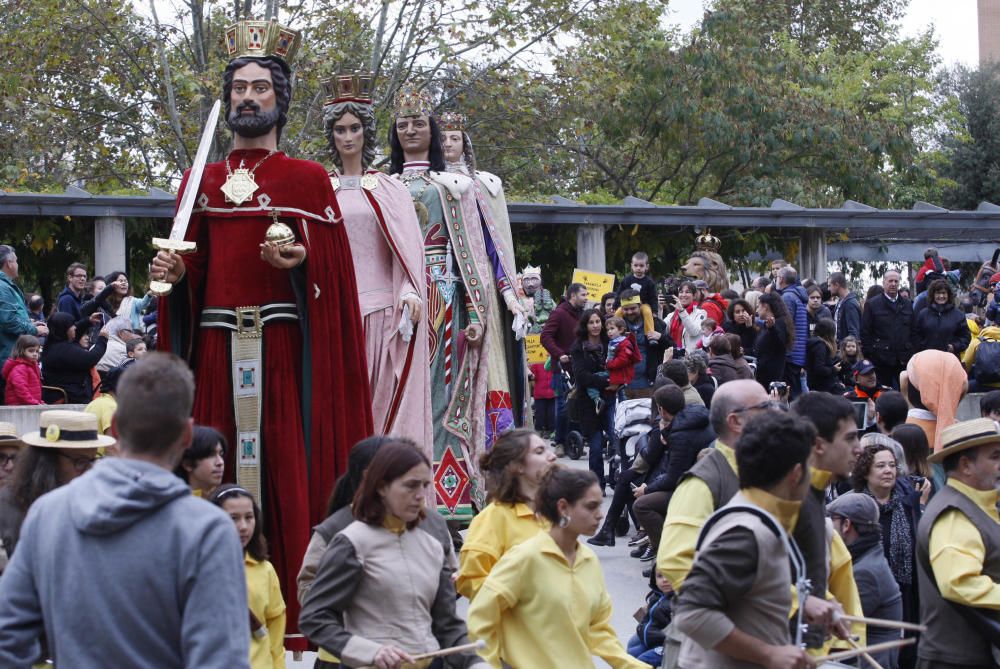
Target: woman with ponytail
<point x="513" y="468"/>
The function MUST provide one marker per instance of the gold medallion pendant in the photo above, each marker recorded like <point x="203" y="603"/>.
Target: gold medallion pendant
<point x="239" y="186"/>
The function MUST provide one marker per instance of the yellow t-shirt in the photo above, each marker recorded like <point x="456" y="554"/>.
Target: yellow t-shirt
<point x="494" y="531"/>
<point x="265" y="601"/>
<point x="104" y="408"/>
<point x="536" y="611"/>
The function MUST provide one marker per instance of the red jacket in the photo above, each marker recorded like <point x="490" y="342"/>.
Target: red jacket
<point x="715" y="306"/>
<point x="543" y="382"/>
<point x="621" y="368"/>
<point x="24" y="382"/>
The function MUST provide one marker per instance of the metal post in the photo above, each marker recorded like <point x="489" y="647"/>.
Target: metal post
<point x="812" y="254"/>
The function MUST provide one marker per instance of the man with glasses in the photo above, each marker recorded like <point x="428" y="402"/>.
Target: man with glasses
<point x="71" y="298"/>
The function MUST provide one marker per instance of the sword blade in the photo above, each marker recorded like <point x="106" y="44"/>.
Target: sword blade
<point x="183" y="215"/>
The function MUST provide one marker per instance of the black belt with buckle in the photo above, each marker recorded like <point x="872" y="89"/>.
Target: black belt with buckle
<point x="248" y="321"/>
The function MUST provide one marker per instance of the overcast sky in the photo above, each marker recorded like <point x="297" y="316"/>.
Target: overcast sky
<point x="954" y="24"/>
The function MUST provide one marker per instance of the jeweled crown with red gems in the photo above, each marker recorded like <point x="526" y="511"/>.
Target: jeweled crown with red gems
<point x="452" y="122"/>
<point x="262" y="39"/>
<point x="412" y="102"/>
<point x="356" y="87"/>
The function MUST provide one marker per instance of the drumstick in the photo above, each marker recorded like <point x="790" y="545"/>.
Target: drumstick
<point x="881" y="622"/>
<point x="846" y="654"/>
<point x="444" y="651"/>
<point x="450" y="651"/>
<point x="868" y="658"/>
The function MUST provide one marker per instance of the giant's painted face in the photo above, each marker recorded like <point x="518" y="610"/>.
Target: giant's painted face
<point x="695" y="268"/>
<point x="531" y="283"/>
<point x="253" y="102"/>
<point x="414" y="134"/>
<point x="452" y="144"/>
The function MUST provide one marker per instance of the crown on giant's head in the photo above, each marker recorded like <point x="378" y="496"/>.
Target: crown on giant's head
<point x="412" y="102"/>
<point x="531" y="271"/>
<point x="262" y="39"/>
<point x="356" y="87"/>
<point x="452" y="122"/>
<point x="708" y="242"/>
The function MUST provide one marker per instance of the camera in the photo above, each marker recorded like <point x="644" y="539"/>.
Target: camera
<point x="780" y="386"/>
<point x="917" y="481"/>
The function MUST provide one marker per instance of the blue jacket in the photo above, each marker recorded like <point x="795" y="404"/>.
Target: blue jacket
<point x="14" y="319"/>
<point x="69" y="302"/>
<point x="124" y="567"/>
<point x="797" y="301"/>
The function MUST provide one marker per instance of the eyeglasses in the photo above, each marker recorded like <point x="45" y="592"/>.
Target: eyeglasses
<point x="80" y="464"/>
<point x="6" y="459"/>
<point x="766" y="405"/>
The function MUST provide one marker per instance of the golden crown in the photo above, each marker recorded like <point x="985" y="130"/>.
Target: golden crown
<point x="262" y="39"/>
<point x="708" y="242"/>
<point x="452" y="122"/>
<point x="355" y="87"/>
<point x="412" y="102"/>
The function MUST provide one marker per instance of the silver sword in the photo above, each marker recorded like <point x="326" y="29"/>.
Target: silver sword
<point x="175" y="243"/>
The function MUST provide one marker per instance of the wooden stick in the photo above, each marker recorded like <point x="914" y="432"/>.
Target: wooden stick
<point x="881" y="622"/>
<point x="846" y="654"/>
<point x="868" y="658"/>
<point x="450" y="651"/>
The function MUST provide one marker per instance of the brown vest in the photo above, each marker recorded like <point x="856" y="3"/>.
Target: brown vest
<point x="950" y="637"/>
<point x="720" y="478"/>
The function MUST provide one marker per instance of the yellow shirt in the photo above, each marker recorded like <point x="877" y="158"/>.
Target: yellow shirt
<point x="266" y="603"/>
<point x="104" y="408"/>
<point x="535" y="611"/>
<point x="690" y="506"/>
<point x="494" y="531"/>
<point x="957" y="553"/>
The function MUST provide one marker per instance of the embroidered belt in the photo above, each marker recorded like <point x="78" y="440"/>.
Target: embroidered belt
<point x="246" y="325"/>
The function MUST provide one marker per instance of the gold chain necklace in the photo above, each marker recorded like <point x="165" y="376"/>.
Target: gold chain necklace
<point x="240" y="184"/>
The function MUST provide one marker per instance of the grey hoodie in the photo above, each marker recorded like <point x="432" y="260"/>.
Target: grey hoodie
<point x="124" y="567"/>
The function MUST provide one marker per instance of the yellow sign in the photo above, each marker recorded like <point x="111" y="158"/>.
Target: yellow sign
<point x="534" y="350"/>
<point x="597" y="284"/>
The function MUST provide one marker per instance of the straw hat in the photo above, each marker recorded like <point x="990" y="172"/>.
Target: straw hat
<point x="67" y="429"/>
<point x="9" y="436"/>
<point x="967" y="434"/>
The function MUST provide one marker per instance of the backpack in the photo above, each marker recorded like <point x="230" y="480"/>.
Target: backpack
<point x="987" y="365"/>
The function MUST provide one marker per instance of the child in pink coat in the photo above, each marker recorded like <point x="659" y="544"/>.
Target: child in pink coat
<point x="22" y="374"/>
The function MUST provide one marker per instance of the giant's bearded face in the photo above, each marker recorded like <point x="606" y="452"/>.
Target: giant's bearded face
<point x="253" y="103"/>
<point x="531" y="284"/>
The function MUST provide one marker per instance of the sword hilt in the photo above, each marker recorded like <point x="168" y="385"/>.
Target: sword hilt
<point x="171" y="246"/>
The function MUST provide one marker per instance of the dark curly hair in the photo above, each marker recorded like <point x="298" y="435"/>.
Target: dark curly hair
<point x="940" y="284"/>
<point x="581" y="325"/>
<point x="501" y="481"/>
<point x="863" y="467"/>
<point x="366" y="115"/>
<point x="280" y="79"/>
<point x="781" y="316"/>
<point x="771" y="444"/>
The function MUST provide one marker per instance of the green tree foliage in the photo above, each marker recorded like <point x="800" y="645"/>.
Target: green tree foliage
<point x="972" y="150"/>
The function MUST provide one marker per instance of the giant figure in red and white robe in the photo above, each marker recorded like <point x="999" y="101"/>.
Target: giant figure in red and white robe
<point x="271" y="328"/>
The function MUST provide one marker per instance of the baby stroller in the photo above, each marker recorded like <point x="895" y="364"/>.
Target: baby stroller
<point x="574" y="439"/>
<point x="632" y="420"/>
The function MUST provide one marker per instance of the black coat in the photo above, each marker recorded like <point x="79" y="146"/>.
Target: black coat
<point x="690" y="431"/>
<point x="747" y="333"/>
<point x="586" y="364"/>
<point x="885" y="331"/>
<point x="655" y="349"/>
<point x="820" y="374"/>
<point x="66" y="365"/>
<point x="937" y="328"/>
<point x="771" y="347"/>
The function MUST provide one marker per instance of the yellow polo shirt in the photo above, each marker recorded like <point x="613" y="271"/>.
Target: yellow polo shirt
<point x="494" y="531"/>
<point x="957" y="553"/>
<point x="267" y="604"/>
<point x="536" y="611"/>
<point x="690" y="506"/>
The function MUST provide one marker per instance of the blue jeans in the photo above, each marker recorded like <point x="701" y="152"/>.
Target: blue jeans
<point x="560" y="390"/>
<point x="595" y="441"/>
<point x="651" y="656"/>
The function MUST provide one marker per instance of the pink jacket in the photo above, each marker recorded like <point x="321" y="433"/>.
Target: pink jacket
<point x="24" y="382"/>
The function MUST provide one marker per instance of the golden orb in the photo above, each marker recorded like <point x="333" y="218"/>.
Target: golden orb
<point x="280" y="234"/>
